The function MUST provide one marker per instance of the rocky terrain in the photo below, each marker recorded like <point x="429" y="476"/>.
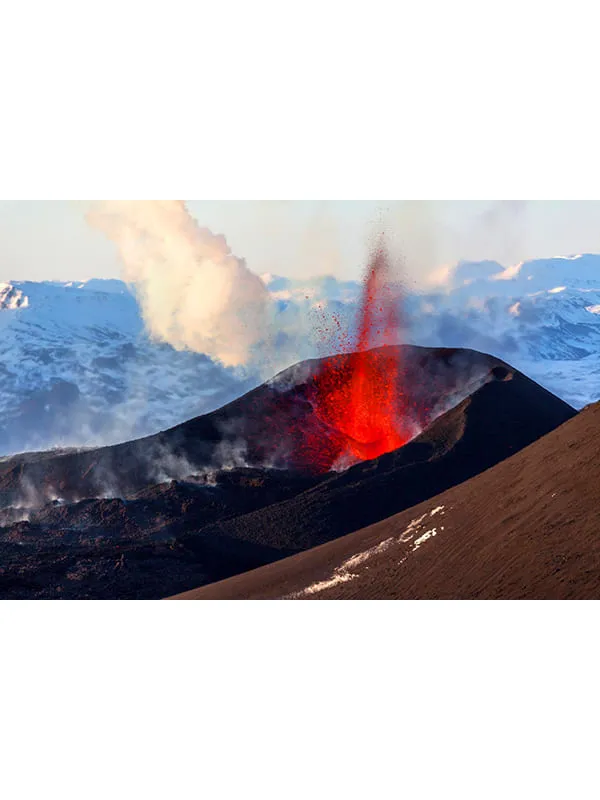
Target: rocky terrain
<point x="113" y="523"/>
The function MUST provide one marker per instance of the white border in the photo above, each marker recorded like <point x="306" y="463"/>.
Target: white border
<point x="241" y="100"/>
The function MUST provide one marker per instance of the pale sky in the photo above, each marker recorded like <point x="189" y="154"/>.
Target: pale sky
<point x="45" y="240"/>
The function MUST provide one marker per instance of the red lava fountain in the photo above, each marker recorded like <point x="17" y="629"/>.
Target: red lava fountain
<point x="359" y="395"/>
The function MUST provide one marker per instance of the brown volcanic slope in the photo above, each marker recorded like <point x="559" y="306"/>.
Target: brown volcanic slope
<point x="528" y="528"/>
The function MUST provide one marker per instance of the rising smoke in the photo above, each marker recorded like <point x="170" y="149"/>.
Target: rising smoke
<point x="193" y="292"/>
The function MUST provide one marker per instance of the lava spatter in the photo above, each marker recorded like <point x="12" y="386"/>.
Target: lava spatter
<point x="358" y="398"/>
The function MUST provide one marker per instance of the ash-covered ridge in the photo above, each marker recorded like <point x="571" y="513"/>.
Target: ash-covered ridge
<point x="265" y="428"/>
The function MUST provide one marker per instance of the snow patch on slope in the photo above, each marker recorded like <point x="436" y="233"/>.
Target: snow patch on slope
<point x="349" y="571"/>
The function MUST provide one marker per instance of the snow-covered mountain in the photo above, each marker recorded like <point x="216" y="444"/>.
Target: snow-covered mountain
<point x="77" y="367"/>
<point x="541" y="315"/>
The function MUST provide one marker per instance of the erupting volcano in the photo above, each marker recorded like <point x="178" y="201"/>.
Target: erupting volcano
<point x="360" y="396"/>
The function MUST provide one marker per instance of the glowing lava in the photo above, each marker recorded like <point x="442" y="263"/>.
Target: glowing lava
<point x="358" y="397"/>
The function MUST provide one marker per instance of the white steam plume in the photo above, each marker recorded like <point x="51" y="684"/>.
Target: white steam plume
<point x="193" y="292"/>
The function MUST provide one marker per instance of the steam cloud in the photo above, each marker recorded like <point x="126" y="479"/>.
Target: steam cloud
<point x="193" y="292"/>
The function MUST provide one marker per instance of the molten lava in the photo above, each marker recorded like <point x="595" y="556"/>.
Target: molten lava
<point x="358" y="397"/>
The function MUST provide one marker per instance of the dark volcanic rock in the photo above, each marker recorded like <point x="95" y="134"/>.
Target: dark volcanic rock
<point x="528" y="528"/>
<point x="500" y="418"/>
<point x="156" y="540"/>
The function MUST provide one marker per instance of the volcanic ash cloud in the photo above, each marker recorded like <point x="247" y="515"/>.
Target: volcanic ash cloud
<point x="193" y="292"/>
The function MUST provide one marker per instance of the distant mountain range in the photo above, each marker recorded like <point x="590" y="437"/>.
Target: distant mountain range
<point x="77" y="368"/>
